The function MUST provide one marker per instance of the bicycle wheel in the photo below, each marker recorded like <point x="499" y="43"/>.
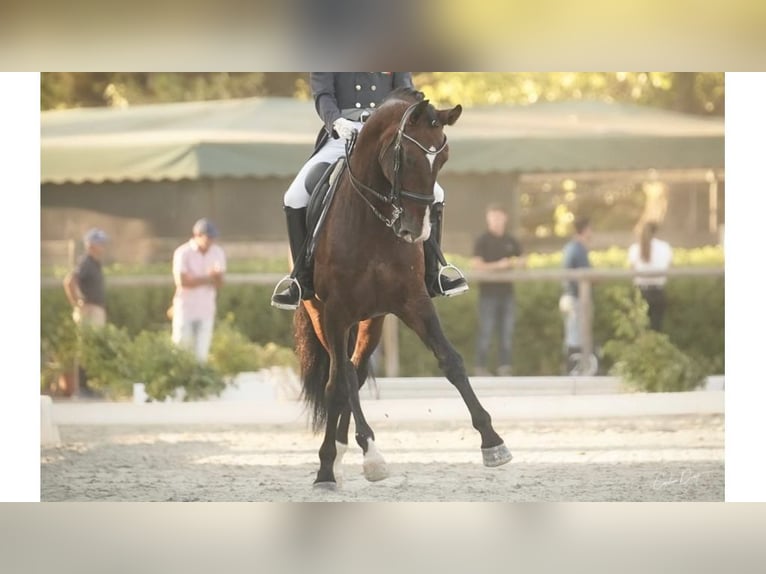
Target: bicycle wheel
<point x="589" y="369"/>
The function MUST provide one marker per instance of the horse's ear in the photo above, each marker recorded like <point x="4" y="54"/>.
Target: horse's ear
<point x="418" y="111"/>
<point x="449" y="117"/>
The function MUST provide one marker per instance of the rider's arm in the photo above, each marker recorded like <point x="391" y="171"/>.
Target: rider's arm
<point x="323" y="91"/>
<point x="182" y="275"/>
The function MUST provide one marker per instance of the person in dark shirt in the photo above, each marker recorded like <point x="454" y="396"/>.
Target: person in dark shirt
<point x="85" y="290"/>
<point x="84" y="285"/>
<point x="575" y="257"/>
<point x="496" y="250"/>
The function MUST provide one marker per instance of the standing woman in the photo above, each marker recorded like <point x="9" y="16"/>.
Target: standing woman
<point x="651" y="254"/>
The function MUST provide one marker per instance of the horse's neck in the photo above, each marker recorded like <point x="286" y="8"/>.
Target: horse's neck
<point x="355" y="231"/>
<point x="356" y="208"/>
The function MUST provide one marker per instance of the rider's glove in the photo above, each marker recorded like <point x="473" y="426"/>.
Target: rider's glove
<point x="344" y="128"/>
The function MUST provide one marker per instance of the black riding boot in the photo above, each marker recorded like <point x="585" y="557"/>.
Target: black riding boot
<point x="437" y="282"/>
<point x="301" y="279"/>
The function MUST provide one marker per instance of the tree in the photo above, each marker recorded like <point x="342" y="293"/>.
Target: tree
<point x="67" y="90"/>
<point x="690" y="92"/>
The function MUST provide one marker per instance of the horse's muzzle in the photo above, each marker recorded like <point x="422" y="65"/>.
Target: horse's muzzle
<point x="411" y="228"/>
<point x="409" y="235"/>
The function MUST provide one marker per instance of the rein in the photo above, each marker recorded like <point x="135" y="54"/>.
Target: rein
<point x="394" y="197"/>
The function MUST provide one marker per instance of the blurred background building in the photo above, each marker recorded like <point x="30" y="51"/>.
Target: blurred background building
<point x="143" y="155"/>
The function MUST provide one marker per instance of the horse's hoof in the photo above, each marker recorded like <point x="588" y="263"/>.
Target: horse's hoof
<point x="375" y="470"/>
<point x="496" y="455"/>
<point x="328" y="486"/>
<point x="374" y="465"/>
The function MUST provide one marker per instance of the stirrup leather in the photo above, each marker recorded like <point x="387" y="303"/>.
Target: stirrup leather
<point x="276" y="290"/>
<point x="456" y="290"/>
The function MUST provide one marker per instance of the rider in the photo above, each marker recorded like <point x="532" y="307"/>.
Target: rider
<point x="340" y="99"/>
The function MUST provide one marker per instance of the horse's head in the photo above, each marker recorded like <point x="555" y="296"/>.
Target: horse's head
<point x="407" y="134"/>
<point x="416" y="151"/>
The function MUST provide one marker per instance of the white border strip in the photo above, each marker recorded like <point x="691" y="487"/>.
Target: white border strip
<point x="394" y="411"/>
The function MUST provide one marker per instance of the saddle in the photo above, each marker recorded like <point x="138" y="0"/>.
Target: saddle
<point x="321" y="183"/>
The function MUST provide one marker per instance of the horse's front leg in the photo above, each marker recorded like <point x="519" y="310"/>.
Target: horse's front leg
<point x="420" y="316"/>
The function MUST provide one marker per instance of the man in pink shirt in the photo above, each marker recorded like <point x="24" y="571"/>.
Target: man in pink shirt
<point x="198" y="269"/>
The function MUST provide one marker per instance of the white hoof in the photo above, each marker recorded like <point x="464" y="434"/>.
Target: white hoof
<point x="374" y="465"/>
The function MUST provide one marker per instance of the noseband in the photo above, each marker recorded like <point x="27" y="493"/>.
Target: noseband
<point x="394" y="197"/>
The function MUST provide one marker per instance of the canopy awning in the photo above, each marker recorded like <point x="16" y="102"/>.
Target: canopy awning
<point x="272" y="137"/>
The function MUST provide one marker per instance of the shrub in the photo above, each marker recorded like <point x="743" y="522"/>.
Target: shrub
<point x="105" y="357"/>
<point x="232" y="352"/>
<point x="165" y="369"/>
<point x="114" y="362"/>
<point x="58" y="351"/>
<point x="647" y="360"/>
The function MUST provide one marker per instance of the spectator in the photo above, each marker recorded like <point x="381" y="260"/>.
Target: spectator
<point x="575" y="257"/>
<point x="496" y="250"/>
<point x="85" y="290"/>
<point x="198" y="270"/>
<point x="651" y="254"/>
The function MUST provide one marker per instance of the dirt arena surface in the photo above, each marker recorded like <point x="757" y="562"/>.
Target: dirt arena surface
<point x="657" y="458"/>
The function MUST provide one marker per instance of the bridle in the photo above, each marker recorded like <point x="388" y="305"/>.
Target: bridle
<point x="397" y="193"/>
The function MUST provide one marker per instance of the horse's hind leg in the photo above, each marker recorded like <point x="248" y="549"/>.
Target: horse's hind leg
<point x="335" y="402"/>
<point x="420" y="316"/>
<point x="367" y="339"/>
<point x="374" y="465"/>
<point x="343" y="390"/>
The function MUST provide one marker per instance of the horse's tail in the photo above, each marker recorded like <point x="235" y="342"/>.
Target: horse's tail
<point x="315" y="367"/>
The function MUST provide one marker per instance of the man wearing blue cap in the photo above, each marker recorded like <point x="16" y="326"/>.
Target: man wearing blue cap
<point x="84" y="288"/>
<point x="198" y="269"/>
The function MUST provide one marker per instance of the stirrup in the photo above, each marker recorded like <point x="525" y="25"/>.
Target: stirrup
<point x="455" y="290"/>
<point x="287" y="305"/>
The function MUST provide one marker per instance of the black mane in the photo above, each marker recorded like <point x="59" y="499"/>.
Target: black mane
<point x="407" y="94"/>
<point x="412" y="96"/>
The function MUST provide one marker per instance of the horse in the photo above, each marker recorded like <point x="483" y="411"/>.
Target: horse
<point x="368" y="262"/>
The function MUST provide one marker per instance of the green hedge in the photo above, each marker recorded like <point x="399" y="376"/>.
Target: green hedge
<point x="669" y="370"/>
<point x="694" y="321"/>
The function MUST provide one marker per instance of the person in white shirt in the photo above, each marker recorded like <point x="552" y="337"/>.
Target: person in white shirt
<point x="651" y="254"/>
<point x="198" y="269"/>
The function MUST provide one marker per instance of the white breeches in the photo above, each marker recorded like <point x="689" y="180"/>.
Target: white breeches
<point x="297" y="197"/>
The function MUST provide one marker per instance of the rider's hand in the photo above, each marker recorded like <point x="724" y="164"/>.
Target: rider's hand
<point x="344" y="128"/>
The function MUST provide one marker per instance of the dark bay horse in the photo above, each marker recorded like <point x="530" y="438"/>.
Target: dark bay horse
<point x="369" y="263"/>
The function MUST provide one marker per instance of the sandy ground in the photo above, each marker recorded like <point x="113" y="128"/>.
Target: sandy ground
<point x="658" y="458"/>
